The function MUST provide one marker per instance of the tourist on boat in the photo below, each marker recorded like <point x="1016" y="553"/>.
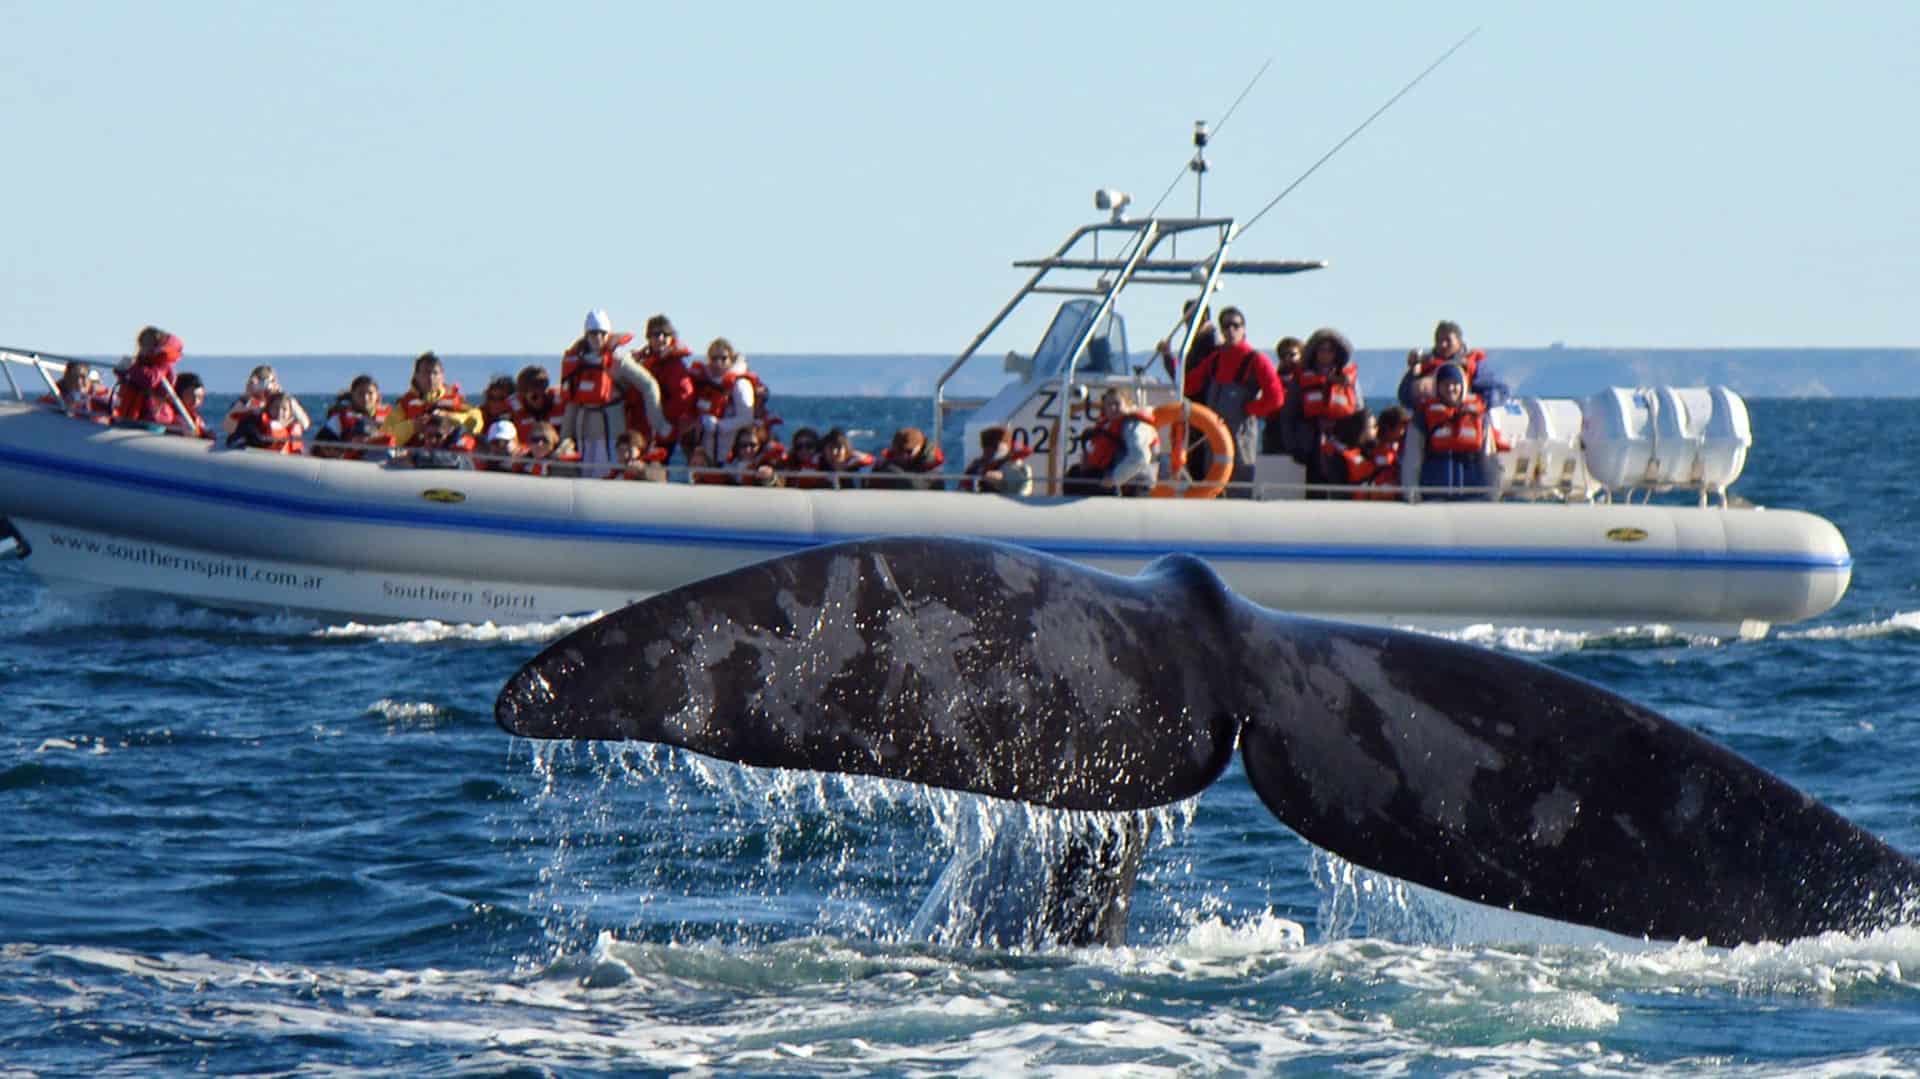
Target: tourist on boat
<point x="1390" y="432"/>
<point x="701" y="467"/>
<point x="262" y="383"/>
<point x="192" y="395"/>
<point x="665" y="358"/>
<point x="1205" y="340"/>
<point x="910" y="463"/>
<point x="428" y="391"/>
<point x="533" y="401"/>
<point x="498" y="402"/>
<point x="1289" y="432"/>
<point x="499" y="447"/>
<point x="803" y="455"/>
<point x="273" y="427"/>
<point x="1122" y="450"/>
<point x="1449" y="346"/>
<point x="142" y="395"/>
<point x="1001" y="468"/>
<point x="1238" y="383"/>
<point x="840" y="462"/>
<point x="1457" y="443"/>
<point x="544" y="456"/>
<point x="1329" y="391"/>
<point x="354" y="420"/>
<point x="81" y="394"/>
<point x="597" y="380"/>
<point x="638" y="459"/>
<point x="443" y="442"/>
<point x="756" y="457"/>
<point x="733" y="397"/>
<point x="1346" y="455"/>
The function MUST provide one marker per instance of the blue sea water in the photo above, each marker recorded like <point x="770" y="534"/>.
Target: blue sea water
<point x="265" y="845"/>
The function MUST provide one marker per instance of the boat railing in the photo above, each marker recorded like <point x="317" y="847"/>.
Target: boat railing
<point x="48" y="365"/>
<point x="1101" y="279"/>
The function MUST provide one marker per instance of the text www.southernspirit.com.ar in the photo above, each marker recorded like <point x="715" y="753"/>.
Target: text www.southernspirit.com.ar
<point x="214" y="569"/>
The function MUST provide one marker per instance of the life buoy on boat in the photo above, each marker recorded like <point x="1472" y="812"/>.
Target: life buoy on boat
<point x="1172" y="421"/>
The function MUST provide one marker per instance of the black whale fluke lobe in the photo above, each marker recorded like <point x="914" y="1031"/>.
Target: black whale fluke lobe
<point x="987" y="668"/>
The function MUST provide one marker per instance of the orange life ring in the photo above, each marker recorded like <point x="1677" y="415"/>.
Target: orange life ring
<point x="1172" y="421"/>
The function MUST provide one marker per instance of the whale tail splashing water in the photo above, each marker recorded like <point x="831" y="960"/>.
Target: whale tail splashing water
<point x="992" y="669"/>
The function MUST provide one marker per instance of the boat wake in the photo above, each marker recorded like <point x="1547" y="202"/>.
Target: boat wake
<point x="432" y="632"/>
<point x="1902" y="623"/>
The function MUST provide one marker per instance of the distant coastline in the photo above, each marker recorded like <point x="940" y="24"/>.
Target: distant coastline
<point x="1560" y="371"/>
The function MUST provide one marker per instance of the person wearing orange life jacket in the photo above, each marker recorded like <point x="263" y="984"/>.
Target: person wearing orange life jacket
<point x="840" y="463"/>
<point x="272" y="428"/>
<point x="533" y="401"/>
<point x="756" y="457"/>
<point x="908" y="464"/>
<point x="262" y="383"/>
<point x="1449" y="346"/>
<point x="1122" y="450"/>
<point x="497" y="404"/>
<point x="353" y="421"/>
<point x="428" y="391"/>
<point x="1240" y="385"/>
<point x="1457" y="440"/>
<point x="499" y="447"/>
<point x="543" y="456"/>
<point x="1384" y="455"/>
<point x="1001" y="467"/>
<point x="1346" y="452"/>
<point x="596" y="377"/>
<point x="142" y="395"/>
<point x="638" y="459"/>
<point x="1329" y="391"/>
<point x="443" y="442"/>
<point x="733" y="397"/>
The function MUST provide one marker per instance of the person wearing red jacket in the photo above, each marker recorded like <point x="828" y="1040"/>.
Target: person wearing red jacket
<point x="144" y="384"/>
<point x="1240" y="384"/>
<point x="665" y="358"/>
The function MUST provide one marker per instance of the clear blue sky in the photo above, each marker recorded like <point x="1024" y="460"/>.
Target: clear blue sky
<point x="388" y="177"/>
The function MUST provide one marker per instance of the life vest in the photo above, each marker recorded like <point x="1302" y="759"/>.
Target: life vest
<point x="1329" y="396"/>
<point x="921" y="461"/>
<point x="1345" y="464"/>
<point x="283" y="437"/>
<point x="723" y="400"/>
<point x="413" y="406"/>
<point x="1107" y="438"/>
<point x="679" y="392"/>
<point x="525" y="418"/>
<point x="591" y="385"/>
<point x="1456" y="430"/>
<point x="1431" y="365"/>
<point x="354" y="428"/>
<point x="544" y="466"/>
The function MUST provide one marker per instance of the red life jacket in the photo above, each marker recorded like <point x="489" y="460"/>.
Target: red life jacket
<point x="1343" y="463"/>
<point x="1329" y="396"/>
<point x="723" y="399"/>
<point x="1106" y="439"/>
<point x="592" y="385"/>
<point x="1431" y="364"/>
<point x="921" y="461"/>
<point x="138" y="399"/>
<point x="678" y="398"/>
<point x="1456" y="430"/>
<point x="525" y="418"/>
<point x="355" y="428"/>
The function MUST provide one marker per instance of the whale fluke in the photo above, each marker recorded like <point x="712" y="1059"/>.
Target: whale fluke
<point x="992" y="669"/>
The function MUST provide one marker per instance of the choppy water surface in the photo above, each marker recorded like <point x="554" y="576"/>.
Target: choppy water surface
<point x="269" y="845"/>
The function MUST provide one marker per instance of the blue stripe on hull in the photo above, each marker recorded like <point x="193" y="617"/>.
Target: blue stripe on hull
<point x="454" y="520"/>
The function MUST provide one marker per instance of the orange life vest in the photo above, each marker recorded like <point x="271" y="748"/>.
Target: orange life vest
<point x="592" y="385"/>
<point x="413" y="406"/>
<point x="1105" y="440"/>
<point x="1329" y="396"/>
<point x="1456" y="430"/>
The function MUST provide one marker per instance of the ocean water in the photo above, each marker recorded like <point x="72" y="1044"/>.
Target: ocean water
<point x="265" y="845"/>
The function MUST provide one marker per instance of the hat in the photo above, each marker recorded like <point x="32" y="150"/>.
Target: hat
<point x="502" y="430"/>
<point x="1451" y="372"/>
<point x="597" y="320"/>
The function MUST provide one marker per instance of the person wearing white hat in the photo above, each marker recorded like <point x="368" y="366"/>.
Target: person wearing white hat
<point x="597" y="377"/>
<point x="498" y="447"/>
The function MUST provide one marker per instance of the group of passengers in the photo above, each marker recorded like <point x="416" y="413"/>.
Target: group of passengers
<point x="624" y="413"/>
<point x="1439" y="436"/>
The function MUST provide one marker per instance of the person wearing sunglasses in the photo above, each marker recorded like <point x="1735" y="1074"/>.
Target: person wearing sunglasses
<point x="1240" y="384"/>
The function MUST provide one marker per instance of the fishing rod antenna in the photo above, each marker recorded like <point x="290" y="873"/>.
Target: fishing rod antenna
<point x="1351" y="135"/>
<point x="1201" y="136"/>
<point x="1198" y="166"/>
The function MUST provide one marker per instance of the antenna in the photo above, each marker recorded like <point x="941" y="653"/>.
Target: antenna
<point x="1198" y="166"/>
<point x="1356" y="131"/>
<point x="1200" y="137"/>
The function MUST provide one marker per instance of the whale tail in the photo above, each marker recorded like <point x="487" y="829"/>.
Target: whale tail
<point x="992" y="669"/>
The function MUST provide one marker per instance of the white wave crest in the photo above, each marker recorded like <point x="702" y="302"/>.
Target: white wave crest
<point x="431" y="632"/>
<point x="1901" y="622"/>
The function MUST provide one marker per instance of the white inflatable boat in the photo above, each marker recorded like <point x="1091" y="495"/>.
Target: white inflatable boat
<point x="1571" y="543"/>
